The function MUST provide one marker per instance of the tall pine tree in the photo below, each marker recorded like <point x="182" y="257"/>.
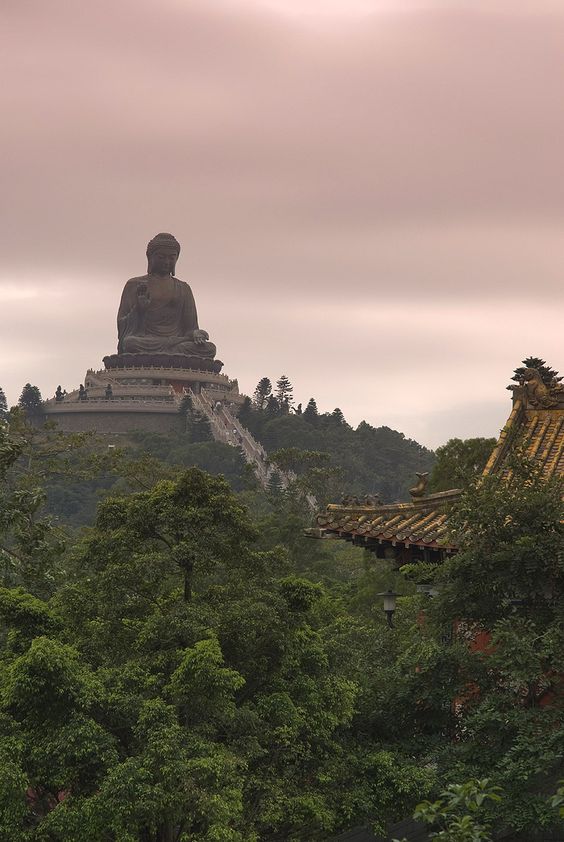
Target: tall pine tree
<point x="245" y="413"/>
<point x="284" y="390"/>
<point x="199" y="428"/>
<point x="262" y="393"/>
<point x="337" y="416"/>
<point x="3" y="405"/>
<point x="31" y="401"/>
<point x="275" y="487"/>
<point x="272" y="406"/>
<point x="185" y="405"/>
<point x="311" y="413"/>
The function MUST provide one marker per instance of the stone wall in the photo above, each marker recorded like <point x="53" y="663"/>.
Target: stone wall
<point x="117" y="422"/>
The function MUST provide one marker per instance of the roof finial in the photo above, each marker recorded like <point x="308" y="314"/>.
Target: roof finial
<point x="420" y="486"/>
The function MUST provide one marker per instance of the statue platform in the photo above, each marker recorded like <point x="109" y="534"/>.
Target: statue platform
<point x="161" y="361"/>
<point x="137" y="397"/>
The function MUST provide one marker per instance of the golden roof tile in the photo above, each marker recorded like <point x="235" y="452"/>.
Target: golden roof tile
<point x="536" y="424"/>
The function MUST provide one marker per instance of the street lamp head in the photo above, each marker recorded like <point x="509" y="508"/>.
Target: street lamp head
<point x="389" y="605"/>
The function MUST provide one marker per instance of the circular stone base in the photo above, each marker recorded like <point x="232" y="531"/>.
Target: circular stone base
<point x="161" y="361"/>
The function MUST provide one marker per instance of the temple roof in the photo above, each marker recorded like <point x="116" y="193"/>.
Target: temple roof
<point x="540" y="432"/>
<point x="535" y="425"/>
<point x="422" y="523"/>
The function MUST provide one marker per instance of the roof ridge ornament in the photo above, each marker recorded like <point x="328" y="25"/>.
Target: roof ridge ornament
<point x="420" y="486"/>
<point x="535" y="392"/>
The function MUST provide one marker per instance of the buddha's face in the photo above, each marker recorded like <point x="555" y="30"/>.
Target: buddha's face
<point x="162" y="262"/>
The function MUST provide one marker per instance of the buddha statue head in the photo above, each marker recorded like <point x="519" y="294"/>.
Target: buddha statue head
<point x="162" y="254"/>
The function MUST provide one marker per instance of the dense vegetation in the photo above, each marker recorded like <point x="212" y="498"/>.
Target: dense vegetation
<point x="178" y="671"/>
<point x="459" y="463"/>
<point x="188" y="667"/>
<point x="362" y="461"/>
<point x="368" y="459"/>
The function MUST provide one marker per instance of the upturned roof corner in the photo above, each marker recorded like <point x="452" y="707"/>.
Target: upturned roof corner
<point x="420" y="528"/>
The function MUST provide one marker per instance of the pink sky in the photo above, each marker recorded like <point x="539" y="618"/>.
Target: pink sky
<point x="369" y="193"/>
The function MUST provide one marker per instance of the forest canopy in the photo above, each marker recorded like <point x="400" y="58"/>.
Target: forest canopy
<point x="178" y="663"/>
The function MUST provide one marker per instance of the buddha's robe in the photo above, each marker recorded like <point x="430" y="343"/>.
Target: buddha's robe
<point x="166" y="326"/>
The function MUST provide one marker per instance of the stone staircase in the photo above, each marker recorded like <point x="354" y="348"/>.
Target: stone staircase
<point x="226" y="427"/>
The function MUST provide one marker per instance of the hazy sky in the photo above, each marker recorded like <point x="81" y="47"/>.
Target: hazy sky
<point x="369" y="194"/>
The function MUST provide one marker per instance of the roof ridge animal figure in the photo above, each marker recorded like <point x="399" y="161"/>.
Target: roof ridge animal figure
<point x="418" y="489"/>
<point x="537" y="392"/>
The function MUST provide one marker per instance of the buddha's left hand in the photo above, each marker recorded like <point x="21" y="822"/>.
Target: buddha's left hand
<point x="201" y="336"/>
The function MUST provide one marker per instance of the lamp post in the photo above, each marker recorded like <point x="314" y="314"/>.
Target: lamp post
<point x="389" y="606"/>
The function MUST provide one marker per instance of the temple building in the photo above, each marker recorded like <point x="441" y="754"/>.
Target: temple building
<point x="162" y="356"/>
<point x="419" y="530"/>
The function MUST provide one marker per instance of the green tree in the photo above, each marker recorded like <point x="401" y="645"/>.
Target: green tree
<point x="220" y="459"/>
<point x="187" y="678"/>
<point x="197" y="425"/>
<point x="500" y="595"/>
<point x="371" y="460"/>
<point x="199" y="428"/>
<point x="284" y="390"/>
<point x="311" y="413"/>
<point x="3" y="405"/>
<point x="245" y="413"/>
<point x="298" y="461"/>
<point x="337" y="416"/>
<point x="272" y="406"/>
<point x="30" y="401"/>
<point x="557" y="799"/>
<point x="459" y="463"/>
<point x="194" y="521"/>
<point x="510" y="537"/>
<point x="31" y="543"/>
<point x="459" y="812"/>
<point x="262" y="392"/>
<point x="185" y="406"/>
<point x="88" y="770"/>
<point x="151" y="457"/>
<point x="311" y="474"/>
<point x="275" y="486"/>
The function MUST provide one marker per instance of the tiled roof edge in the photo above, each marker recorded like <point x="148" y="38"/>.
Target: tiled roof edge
<point x="413" y="505"/>
<point x="499" y="451"/>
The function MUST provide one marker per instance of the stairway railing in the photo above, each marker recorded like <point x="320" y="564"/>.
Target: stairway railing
<point x="226" y="427"/>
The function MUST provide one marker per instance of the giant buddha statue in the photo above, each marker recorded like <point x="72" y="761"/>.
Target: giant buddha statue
<point x="157" y="318"/>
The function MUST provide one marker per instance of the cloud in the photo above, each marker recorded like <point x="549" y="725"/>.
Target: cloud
<point x="386" y="187"/>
